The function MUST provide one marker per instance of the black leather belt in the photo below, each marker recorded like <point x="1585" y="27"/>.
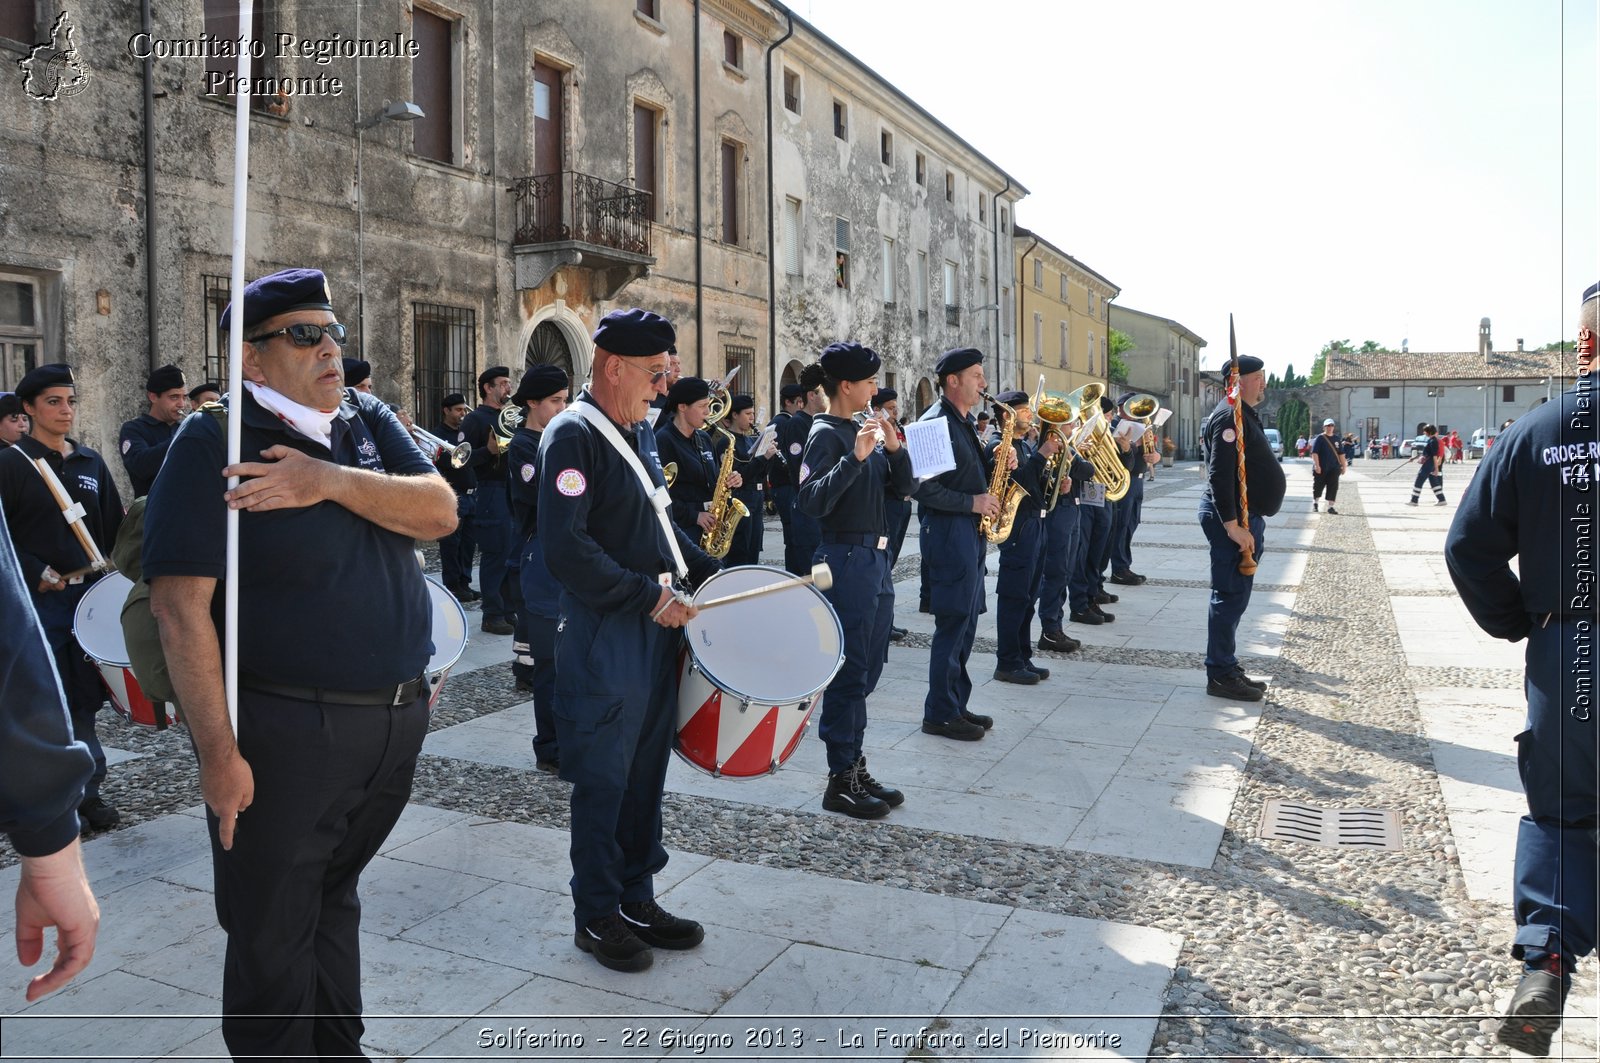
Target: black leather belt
<point x="851" y="539"/>
<point x="400" y="694"/>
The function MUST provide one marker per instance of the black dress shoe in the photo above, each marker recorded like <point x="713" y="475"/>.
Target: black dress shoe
<point x="978" y="719"/>
<point x="897" y="633"/>
<point x="612" y="941"/>
<point x="1022" y="676"/>
<point x="1059" y="641"/>
<point x="959" y="728"/>
<point x="1233" y="688"/>
<point x="1127" y="579"/>
<point x="1086" y="618"/>
<point x="1042" y="673"/>
<point x="497" y="627"/>
<point x="659" y="928"/>
<point x="1259" y="684"/>
<point x="99" y="815"/>
<point x="887" y="794"/>
<point x="1105" y="598"/>
<point x="1534" y="1014"/>
<point x="1105" y="617"/>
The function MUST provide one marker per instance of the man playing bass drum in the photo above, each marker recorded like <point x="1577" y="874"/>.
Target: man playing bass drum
<point x="844" y="471"/>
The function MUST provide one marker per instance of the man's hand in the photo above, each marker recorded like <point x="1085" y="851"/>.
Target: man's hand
<point x="286" y="479"/>
<point x="1011" y="463"/>
<point x="53" y="891"/>
<point x="50" y="580"/>
<point x="228" y="786"/>
<point x="705" y="520"/>
<point x="494" y="444"/>
<point x="675" y="613"/>
<point x="1241" y="536"/>
<point x="1051" y="444"/>
<point x="986" y="505"/>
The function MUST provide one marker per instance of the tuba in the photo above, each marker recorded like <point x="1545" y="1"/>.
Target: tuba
<point x="435" y="448"/>
<point x="726" y="511"/>
<point x="1054" y="410"/>
<point x="1093" y="441"/>
<point x="998" y="529"/>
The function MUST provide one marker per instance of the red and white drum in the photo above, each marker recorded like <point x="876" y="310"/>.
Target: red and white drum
<point x="449" y="637"/>
<point x="750" y="673"/>
<point x="98" y="627"/>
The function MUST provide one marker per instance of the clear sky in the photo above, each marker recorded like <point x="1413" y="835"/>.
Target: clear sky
<point x="1339" y="169"/>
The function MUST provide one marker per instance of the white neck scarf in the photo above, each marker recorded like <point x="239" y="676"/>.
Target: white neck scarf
<point x="313" y="424"/>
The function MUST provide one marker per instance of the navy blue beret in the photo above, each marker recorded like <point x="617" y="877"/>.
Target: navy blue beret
<point x="635" y="334"/>
<point x="540" y="382"/>
<point x="10" y="405"/>
<point x="849" y="361"/>
<point x="455" y="398"/>
<point x="883" y="395"/>
<point x="493" y="373"/>
<point x="54" y="375"/>
<point x="1249" y="363"/>
<point x="742" y="402"/>
<point x="164" y="378"/>
<point x="1591" y="292"/>
<point x="790" y="392"/>
<point x="280" y="293"/>
<point x="355" y="371"/>
<point x="200" y="389"/>
<point x="1012" y="398"/>
<point x="687" y="391"/>
<point x="1107" y="406"/>
<point x="957" y="359"/>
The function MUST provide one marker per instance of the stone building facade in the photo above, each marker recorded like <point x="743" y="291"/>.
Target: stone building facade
<point x="1062" y="316"/>
<point x="1165" y="362"/>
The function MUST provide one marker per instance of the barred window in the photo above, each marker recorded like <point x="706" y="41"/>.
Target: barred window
<point x="215" y="293"/>
<point x="445" y="348"/>
<point x="744" y="358"/>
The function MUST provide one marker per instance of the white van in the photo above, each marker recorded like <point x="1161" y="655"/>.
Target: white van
<point x="1276" y="442"/>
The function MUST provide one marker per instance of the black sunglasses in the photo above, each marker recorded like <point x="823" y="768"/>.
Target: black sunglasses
<point x="306" y="334"/>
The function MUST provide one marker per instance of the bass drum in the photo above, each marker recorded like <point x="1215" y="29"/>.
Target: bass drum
<point x="750" y="673"/>
<point x="449" y="637"/>
<point x="98" y="628"/>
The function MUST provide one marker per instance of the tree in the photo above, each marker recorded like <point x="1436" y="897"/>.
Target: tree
<point x="1560" y="345"/>
<point x="1116" y="367"/>
<point x="1319" y="368"/>
<point x="1371" y="346"/>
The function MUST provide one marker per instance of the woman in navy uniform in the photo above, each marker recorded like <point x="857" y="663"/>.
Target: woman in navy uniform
<point x="53" y="563"/>
<point x="752" y="470"/>
<point x="334" y="636"/>
<point x="1021" y="556"/>
<point x="1532" y="499"/>
<point x="542" y="394"/>
<point x="844" y="473"/>
<point x="144" y="440"/>
<point x="1219" y="520"/>
<point x="682" y="438"/>
<point x="952" y="504"/>
<point x="617" y="646"/>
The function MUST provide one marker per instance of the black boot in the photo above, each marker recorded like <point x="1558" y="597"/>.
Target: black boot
<point x="845" y="793"/>
<point x="887" y="794"/>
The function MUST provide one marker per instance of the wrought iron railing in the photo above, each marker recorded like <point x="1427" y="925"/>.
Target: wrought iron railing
<point x="575" y="206"/>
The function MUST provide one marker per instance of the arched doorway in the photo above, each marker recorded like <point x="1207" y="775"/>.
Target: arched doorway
<point x="548" y="346"/>
<point x="924" y="395"/>
<point x="791" y="374"/>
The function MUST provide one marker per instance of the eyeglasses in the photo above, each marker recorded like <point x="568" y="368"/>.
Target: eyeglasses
<point x="306" y="334"/>
<point x="656" y="377"/>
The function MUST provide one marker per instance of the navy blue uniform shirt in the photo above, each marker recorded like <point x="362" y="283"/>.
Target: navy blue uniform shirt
<point x="42" y="768"/>
<point x="39" y="532"/>
<point x="697" y="472"/>
<point x="791" y="441"/>
<point x="1327" y="452"/>
<point x="752" y="468"/>
<point x="1028" y="474"/>
<point x="1533" y="498"/>
<point x="1430" y="454"/>
<point x="476" y="429"/>
<point x="523" y="455"/>
<point x="778" y="464"/>
<point x="326" y="598"/>
<point x="953" y="491"/>
<point x="1266" y="481"/>
<point x="599" y="530"/>
<point x="844" y="494"/>
<point x="463" y="480"/>
<point x="143" y="445"/>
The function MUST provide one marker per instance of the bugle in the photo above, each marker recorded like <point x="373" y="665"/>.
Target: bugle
<point x="434" y="447"/>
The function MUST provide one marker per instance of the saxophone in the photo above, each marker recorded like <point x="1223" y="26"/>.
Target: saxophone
<point x="998" y="529"/>
<point x="726" y="511"/>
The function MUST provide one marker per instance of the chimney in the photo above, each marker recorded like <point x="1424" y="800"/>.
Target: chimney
<point x="1485" y="345"/>
<point x="1519" y="344"/>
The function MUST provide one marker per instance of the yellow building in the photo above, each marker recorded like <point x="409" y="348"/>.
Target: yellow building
<point x="1061" y="314"/>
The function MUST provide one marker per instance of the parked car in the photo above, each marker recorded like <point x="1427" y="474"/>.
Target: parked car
<point x="1476" y="446"/>
<point x="1411" y="447"/>
<point x="1276" y="442"/>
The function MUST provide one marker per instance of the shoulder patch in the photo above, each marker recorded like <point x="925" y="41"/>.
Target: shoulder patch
<point x="526" y="472"/>
<point x="126" y="444"/>
<point x="571" y="483"/>
<point x="805" y="470"/>
<point x="794" y="448"/>
<point x="1228" y="436"/>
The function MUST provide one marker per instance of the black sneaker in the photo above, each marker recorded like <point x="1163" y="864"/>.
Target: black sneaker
<point x="847" y="794"/>
<point x="99" y="815"/>
<point x="887" y="794"/>
<point x="1104" y="598"/>
<point x="612" y="941"/>
<point x="658" y="928"/>
<point x="897" y="633"/>
<point x="959" y="729"/>
<point x="1042" y="673"/>
<point x="1534" y="1014"/>
<point x="1087" y="617"/>
<point x="1259" y="684"/>
<point x="1021" y="676"/>
<point x="1127" y="579"/>
<point x="1059" y="641"/>
<point x="1335" y="512"/>
<point x="1234" y="688"/>
<point x="1105" y="617"/>
<point x="978" y="718"/>
<point x="1313" y="507"/>
<point x="497" y="626"/>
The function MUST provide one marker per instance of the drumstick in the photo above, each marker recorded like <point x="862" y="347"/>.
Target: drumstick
<point x="97" y="561"/>
<point x="821" y="577"/>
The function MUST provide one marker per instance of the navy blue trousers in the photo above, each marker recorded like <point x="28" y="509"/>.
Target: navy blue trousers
<point x="80" y="679"/>
<point x="616" y="706"/>
<point x="1017" y="588"/>
<point x="1554" y="883"/>
<point x="863" y="596"/>
<point x="898" y="511"/>
<point x="535" y="644"/>
<point x="1100" y="547"/>
<point x="1060" y="544"/>
<point x="1124" y="522"/>
<point x="457" y="548"/>
<point x="491" y="525"/>
<point x="954" y="550"/>
<point x="800" y="542"/>
<point x="747" y="537"/>
<point x="1083" y="577"/>
<point x="1230" y="591"/>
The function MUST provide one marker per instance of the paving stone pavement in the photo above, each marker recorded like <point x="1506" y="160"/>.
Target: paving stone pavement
<point x="1086" y="882"/>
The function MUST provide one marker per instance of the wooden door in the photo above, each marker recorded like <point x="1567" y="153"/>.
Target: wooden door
<point x="548" y="158"/>
<point x="644" y="157"/>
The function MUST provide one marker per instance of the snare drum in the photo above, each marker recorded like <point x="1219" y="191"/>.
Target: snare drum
<point x="449" y="637"/>
<point x="98" y="628"/>
<point x="750" y="673"/>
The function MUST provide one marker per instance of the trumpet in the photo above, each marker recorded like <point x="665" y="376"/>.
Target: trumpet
<point x="435" y="448"/>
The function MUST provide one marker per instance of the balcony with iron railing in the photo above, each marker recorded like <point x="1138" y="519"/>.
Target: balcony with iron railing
<point x="576" y="219"/>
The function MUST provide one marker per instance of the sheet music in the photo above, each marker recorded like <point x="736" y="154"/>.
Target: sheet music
<point x="1130" y="429"/>
<point x="931" y="450"/>
<point x="768" y="435"/>
<point x="651" y="417"/>
<point x="1162" y="416"/>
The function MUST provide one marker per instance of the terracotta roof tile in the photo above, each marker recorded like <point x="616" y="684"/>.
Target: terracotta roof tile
<point x="1463" y="365"/>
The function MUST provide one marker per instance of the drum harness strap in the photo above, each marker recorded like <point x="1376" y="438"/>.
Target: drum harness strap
<point x="659" y="498"/>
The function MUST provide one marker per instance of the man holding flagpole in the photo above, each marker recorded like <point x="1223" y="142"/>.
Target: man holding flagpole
<point x="1244" y="484"/>
<point x="334" y="633"/>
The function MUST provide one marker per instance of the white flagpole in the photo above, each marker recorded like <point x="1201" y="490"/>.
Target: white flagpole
<point x="241" y="189"/>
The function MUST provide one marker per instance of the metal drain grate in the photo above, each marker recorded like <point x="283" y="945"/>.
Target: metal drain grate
<point x="1336" y="828"/>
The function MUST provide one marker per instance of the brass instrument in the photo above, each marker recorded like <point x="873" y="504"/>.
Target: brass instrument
<point x="726" y="511"/>
<point x="1054" y="410"/>
<point x="997" y="529"/>
<point x="1144" y="407"/>
<point x="506" y="425"/>
<point x="669" y="472"/>
<point x="1093" y="441"/>
<point x="434" y="448"/>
